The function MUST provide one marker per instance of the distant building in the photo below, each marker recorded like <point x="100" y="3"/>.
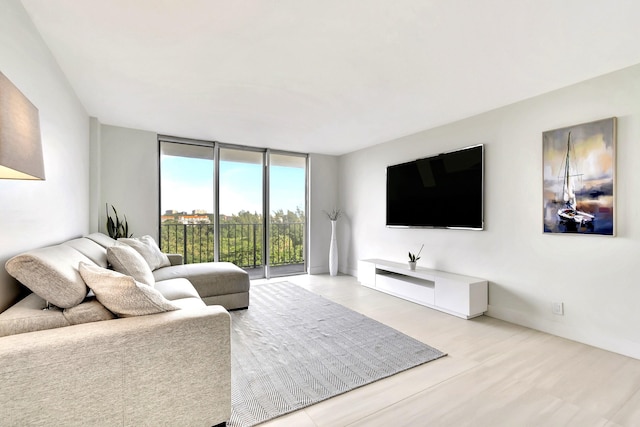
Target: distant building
<point x="194" y="219"/>
<point x="183" y="218"/>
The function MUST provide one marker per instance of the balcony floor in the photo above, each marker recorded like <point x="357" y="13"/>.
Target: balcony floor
<point x="276" y="271"/>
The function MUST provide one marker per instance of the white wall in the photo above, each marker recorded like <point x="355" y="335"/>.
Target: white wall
<point x="323" y="193"/>
<point x="95" y="203"/>
<point x="129" y="178"/>
<point x="38" y="213"/>
<point x="593" y="275"/>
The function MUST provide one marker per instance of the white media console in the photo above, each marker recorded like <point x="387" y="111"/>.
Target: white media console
<point x="462" y="296"/>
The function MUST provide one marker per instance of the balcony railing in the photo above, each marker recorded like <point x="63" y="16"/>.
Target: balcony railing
<point x="240" y="244"/>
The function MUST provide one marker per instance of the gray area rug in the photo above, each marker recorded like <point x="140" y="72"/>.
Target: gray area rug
<point x="293" y="348"/>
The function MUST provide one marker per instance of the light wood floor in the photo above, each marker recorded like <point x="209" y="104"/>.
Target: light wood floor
<point x="495" y="374"/>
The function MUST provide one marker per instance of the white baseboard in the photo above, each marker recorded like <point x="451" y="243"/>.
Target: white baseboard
<point x="564" y="330"/>
<point x="318" y="270"/>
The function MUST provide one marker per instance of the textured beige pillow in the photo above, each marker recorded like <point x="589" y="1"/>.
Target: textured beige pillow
<point x="148" y="248"/>
<point x="121" y="294"/>
<point x="126" y="260"/>
<point x="51" y="273"/>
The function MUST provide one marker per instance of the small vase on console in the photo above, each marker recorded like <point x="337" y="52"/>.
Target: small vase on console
<point x="412" y="265"/>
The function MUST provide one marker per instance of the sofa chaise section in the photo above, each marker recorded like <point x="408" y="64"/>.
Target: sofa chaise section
<point x="221" y="283"/>
<point x="217" y="283"/>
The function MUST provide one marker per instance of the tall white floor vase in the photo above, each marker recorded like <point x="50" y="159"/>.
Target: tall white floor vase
<point x="333" y="251"/>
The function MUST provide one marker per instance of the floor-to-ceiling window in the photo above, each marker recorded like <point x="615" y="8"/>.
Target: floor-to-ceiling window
<point x="241" y="183"/>
<point x="227" y="203"/>
<point x="287" y="219"/>
<point x="187" y="201"/>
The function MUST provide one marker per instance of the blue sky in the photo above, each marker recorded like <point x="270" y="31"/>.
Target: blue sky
<point x="187" y="185"/>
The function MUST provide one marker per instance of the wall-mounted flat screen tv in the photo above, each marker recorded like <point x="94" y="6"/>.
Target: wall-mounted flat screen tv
<point x="443" y="191"/>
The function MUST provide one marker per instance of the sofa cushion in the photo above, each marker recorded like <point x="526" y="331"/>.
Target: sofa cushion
<point x="148" y="248"/>
<point x="51" y="273"/>
<point x="90" y="249"/>
<point x="122" y="295"/>
<point x="129" y="262"/>
<point x="209" y="278"/>
<point x="188" y="303"/>
<point x="102" y="239"/>
<point x="27" y="315"/>
<point x="174" y="289"/>
<point x="90" y="310"/>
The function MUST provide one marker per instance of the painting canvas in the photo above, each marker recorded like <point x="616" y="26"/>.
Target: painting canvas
<point x="579" y="174"/>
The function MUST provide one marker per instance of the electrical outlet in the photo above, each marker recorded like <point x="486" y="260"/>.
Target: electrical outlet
<point x="557" y="308"/>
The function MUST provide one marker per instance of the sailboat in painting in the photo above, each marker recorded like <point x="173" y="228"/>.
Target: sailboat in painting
<point x="569" y="213"/>
<point x="578" y="170"/>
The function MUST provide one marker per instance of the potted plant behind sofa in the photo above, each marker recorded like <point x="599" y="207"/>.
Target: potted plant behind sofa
<point x="117" y="228"/>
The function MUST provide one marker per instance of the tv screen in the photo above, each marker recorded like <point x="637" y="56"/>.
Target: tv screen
<point x="444" y="191"/>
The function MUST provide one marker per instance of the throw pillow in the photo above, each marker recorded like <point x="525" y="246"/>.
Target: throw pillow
<point x="51" y="273"/>
<point x="126" y="260"/>
<point x="148" y="248"/>
<point x="121" y="294"/>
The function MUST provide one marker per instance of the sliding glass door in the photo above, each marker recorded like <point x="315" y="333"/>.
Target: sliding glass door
<point x="287" y="219"/>
<point x="227" y="203"/>
<point x="241" y="220"/>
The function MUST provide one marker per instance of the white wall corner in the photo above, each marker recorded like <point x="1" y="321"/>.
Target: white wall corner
<point x="323" y="196"/>
<point x="94" y="176"/>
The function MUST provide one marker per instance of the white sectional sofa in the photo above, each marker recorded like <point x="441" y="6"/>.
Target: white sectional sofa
<point x="97" y="356"/>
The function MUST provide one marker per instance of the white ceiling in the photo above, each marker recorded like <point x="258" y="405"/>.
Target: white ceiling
<point x="325" y="76"/>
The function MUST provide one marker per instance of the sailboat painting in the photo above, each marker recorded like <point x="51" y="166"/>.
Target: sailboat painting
<point x="578" y="174"/>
